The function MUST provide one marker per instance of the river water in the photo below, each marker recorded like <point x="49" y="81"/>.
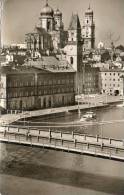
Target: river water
<point x="34" y="171"/>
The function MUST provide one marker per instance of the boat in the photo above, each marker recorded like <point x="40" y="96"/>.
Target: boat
<point x="120" y="105"/>
<point x="88" y="116"/>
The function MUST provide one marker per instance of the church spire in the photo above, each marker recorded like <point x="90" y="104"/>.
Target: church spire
<point x="89" y="6"/>
<point x="46" y="2"/>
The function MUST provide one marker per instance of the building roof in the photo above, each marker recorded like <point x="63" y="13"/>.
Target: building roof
<point x="89" y="11"/>
<point x="57" y="12"/>
<point x="47" y="10"/>
<point x="111" y="70"/>
<point x="74" y="23"/>
<point x="50" y="63"/>
<point x="120" y="47"/>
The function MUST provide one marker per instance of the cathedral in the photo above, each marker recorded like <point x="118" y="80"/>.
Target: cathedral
<point x="49" y="35"/>
<point x="50" y="38"/>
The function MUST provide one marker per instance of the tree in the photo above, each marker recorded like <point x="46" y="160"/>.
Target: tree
<point x="111" y="39"/>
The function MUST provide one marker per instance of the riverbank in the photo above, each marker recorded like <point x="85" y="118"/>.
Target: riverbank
<point x="93" y="104"/>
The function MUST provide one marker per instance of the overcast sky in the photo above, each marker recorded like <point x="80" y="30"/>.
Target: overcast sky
<point x="20" y="17"/>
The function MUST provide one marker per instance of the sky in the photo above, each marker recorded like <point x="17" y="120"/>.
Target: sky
<point x="21" y="16"/>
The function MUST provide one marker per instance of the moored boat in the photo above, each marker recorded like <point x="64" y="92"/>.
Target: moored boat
<point x="88" y="116"/>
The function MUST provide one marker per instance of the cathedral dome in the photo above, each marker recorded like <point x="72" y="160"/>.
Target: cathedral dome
<point x="89" y="11"/>
<point x="57" y="12"/>
<point x="47" y="10"/>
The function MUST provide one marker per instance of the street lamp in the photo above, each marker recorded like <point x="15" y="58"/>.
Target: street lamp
<point x="102" y="133"/>
<point x="79" y="112"/>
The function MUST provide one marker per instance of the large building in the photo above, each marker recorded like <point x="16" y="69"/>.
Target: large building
<point x="49" y="38"/>
<point x="29" y="87"/>
<point x="91" y="80"/>
<point x="88" y="30"/>
<point x="111" y="81"/>
<point x="49" y="35"/>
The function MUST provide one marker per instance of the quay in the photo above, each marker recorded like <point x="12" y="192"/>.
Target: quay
<point x="94" y="104"/>
<point x="83" y="144"/>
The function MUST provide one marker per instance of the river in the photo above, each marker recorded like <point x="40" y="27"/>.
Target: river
<point x="34" y="171"/>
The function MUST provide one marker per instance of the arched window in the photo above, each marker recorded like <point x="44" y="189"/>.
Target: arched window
<point x="48" y="25"/>
<point x="71" y="60"/>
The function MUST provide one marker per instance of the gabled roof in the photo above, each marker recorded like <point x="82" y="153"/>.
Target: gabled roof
<point x="74" y="23"/>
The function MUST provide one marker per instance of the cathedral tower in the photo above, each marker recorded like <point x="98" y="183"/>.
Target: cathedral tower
<point x="74" y="46"/>
<point x="88" y="30"/>
<point x="47" y="19"/>
<point x="74" y="50"/>
<point x="58" y="20"/>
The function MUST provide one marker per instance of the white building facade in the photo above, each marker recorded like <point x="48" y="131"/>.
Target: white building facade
<point x="111" y="81"/>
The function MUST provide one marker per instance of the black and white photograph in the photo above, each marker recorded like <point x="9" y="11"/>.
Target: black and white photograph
<point x="61" y="97"/>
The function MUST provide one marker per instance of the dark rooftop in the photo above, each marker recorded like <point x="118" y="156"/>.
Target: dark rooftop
<point x="50" y="63"/>
<point x="74" y="23"/>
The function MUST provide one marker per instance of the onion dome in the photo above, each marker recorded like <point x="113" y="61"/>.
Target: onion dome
<point x="89" y="11"/>
<point x="47" y="10"/>
<point x="57" y="12"/>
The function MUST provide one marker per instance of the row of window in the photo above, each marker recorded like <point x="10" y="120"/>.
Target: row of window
<point x="112" y="74"/>
<point x="56" y="91"/>
<point x="54" y="81"/>
<point x="112" y="85"/>
<point x="20" y="94"/>
<point x="90" y="90"/>
<point x="43" y="82"/>
<point x="20" y="84"/>
<point x="91" y="79"/>
<point x="113" y="79"/>
<point x="41" y="92"/>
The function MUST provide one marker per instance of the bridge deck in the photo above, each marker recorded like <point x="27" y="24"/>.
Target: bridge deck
<point x="64" y="141"/>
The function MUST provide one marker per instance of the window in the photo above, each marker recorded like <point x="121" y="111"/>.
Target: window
<point x="48" y="25"/>
<point x="71" y="60"/>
